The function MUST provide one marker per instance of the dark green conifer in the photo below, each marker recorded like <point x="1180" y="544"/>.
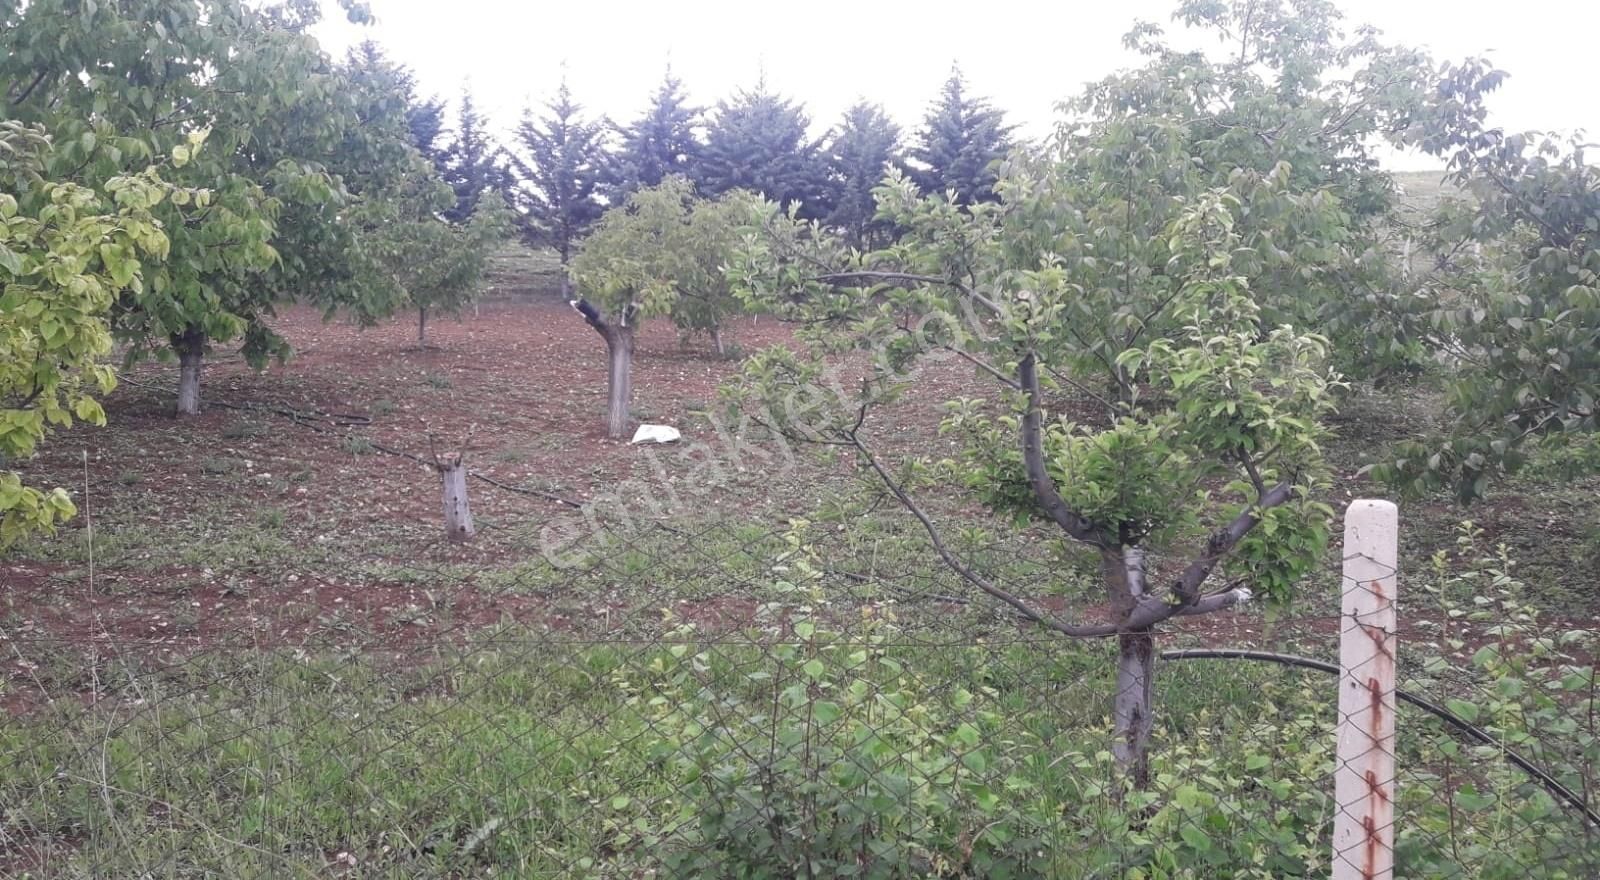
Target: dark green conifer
<point x="960" y="140"/>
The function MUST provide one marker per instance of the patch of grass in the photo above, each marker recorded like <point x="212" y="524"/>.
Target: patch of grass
<point x="437" y="381"/>
<point x="129" y="478"/>
<point x="510" y="454"/>
<point x="356" y="444"/>
<point x="438" y="575"/>
<point x="220" y="466"/>
<point x="223" y="737"/>
<point x="243" y="430"/>
<point x="1565" y="458"/>
<point x="551" y="755"/>
<point x="383" y="406"/>
<point x="327" y="733"/>
<point x="213" y="534"/>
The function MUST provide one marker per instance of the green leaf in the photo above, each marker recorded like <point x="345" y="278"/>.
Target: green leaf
<point x="1467" y="711"/>
<point x="1196" y="838"/>
<point x="966" y="734"/>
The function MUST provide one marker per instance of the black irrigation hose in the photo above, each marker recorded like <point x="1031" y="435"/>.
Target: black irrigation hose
<point x="1550" y="783"/>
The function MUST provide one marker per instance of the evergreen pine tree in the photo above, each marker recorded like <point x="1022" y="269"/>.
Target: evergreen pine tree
<point x="960" y="140"/>
<point x="425" y="118"/>
<point x="367" y="64"/>
<point x="660" y="143"/>
<point x="859" y="153"/>
<point x="758" y="142"/>
<point x="472" y="163"/>
<point x="562" y="169"/>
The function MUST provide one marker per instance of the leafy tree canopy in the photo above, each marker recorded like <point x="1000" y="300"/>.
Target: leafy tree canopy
<point x="66" y="250"/>
<point x="1135" y="290"/>
<point x="121" y="85"/>
<point x="1513" y="304"/>
<point x="663" y="252"/>
<point x="1293" y="98"/>
<point x="410" y="253"/>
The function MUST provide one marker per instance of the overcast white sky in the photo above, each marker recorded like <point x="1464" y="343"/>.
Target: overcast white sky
<point x="1025" y="54"/>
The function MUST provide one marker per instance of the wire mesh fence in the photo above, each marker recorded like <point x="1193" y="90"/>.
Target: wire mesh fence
<point x="730" y="699"/>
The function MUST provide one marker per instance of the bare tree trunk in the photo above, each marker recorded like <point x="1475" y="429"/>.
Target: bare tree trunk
<point x="191" y="347"/>
<point x="422" y="327"/>
<point x="619" y="351"/>
<point x="619" y="355"/>
<point x="1132" y="709"/>
<point x="716" y="341"/>
<point x="1132" y="706"/>
<point x="565" y="252"/>
<point x="457" y="511"/>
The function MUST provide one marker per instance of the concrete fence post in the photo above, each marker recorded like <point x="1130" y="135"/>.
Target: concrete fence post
<point x="1364" y="775"/>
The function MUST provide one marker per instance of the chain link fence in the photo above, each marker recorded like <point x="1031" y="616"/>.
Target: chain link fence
<point x="736" y="700"/>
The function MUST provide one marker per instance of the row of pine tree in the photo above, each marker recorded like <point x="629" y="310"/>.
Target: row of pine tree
<point x="564" y="167"/>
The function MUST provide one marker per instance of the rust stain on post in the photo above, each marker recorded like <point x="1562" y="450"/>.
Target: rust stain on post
<point x="1369" y="864"/>
<point x="1379" y="793"/>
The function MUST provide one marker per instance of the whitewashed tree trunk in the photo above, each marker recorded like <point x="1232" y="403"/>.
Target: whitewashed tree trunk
<point x="191" y="346"/>
<point x="716" y="342"/>
<point x="457" y="511"/>
<point x="1364" y="776"/>
<point x="619" y="351"/>
<point x="1132" y="706"/>
<point x="618" y="335"/>
<point x="1132" y="709"/>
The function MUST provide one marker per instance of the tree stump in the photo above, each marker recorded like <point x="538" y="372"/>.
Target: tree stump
<point x="457" y="511"/>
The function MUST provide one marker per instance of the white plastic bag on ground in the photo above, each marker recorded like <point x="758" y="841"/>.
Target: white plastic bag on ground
<point x="655" y="433"/>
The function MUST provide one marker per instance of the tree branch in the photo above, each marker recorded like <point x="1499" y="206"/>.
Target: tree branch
<point x="981" y="364"/>
<point x="29" y="90"/>
<point x="1044" y="488"/>
<point x="1222" y="542"/>
<point x="955" y="564"/>
<point x="984" y="366"/>
<point x="1083" y="389"/>
<point x="1254" y="472"/>
<point x="875" y="276"/>
<point x="1216" y="602"/>
<point x="592" y="316"/>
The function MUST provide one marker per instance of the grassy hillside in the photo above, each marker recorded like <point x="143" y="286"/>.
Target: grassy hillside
<point x="1421" y="191"/>
<point x="518" y="271"/>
